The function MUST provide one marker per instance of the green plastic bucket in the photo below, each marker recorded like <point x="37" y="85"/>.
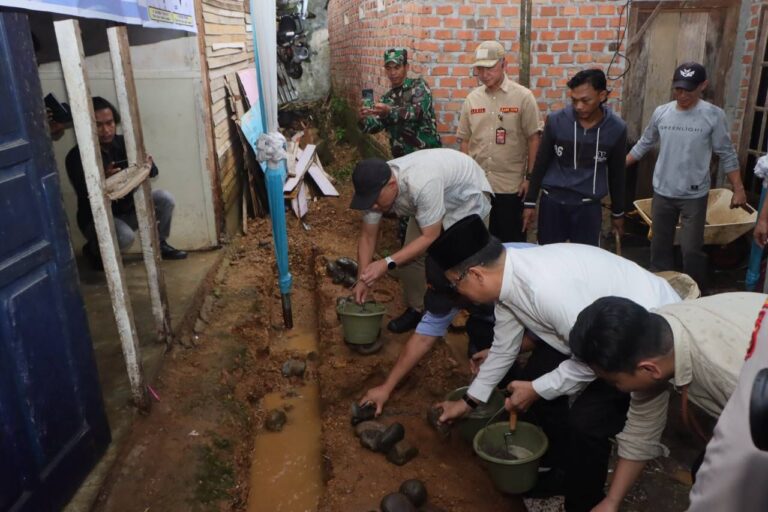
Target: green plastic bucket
<point x="511" y="476"/>
<point x="361" y="323"/>
<point x="469" y="425"/>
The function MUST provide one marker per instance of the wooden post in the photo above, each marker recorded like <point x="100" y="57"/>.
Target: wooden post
<point x="73" y="65"/>
<point x="525" y="43"/>
<point x="125" y="86"/>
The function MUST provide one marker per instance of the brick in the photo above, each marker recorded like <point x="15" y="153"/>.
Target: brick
<point x="584" y="58"/>
<point x="566" y="35"/>
<point x="466" y="10"/>
<point x="553" y="93"/>
<point x="548" y="35"/>
<point x="587" y="10"/>
<point x="453" y="23"/>
<point x="448" y="82"/>
<point x="547" y="11"/>
<point x="427" y="46"/>
<point x="559" y="47"/>
<point x="558" y="22"/>
<point x="539" y="23"/>
<point x="569" y="10"/>
<point x="465" y="34"/>
<point x="543" y="58"/>
<point x="444" y="9"/>
<point x="488" y="11"/>
<point x="578" y="22"/>
<point x="605" y="34"/>
<point x="440" y="71"/>
<point x="443" y="34"/>
<point x="510" y="11"/>
<point x="543" y="82"/>
<point x="586" y="34"/>
<point x="429" y="21"/>
<point x="597" y="47"/>
<point x="609" y="10"/>
<point x="598" y="22"/>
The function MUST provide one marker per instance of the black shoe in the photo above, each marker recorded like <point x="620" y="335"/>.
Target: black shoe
<point x="405" y="322"/>
<point x="550" y="483"/>
<point x="171" y="253"/>
<point x="92" y="256"/>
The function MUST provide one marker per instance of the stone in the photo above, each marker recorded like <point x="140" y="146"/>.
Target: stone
<point x="396" y="502"/>
<point x="433" y="418"/>
<point x="371" y="439"/>
<point x="402" y="453"/>
<point x="199" y="326"/>
<point x="414" y="490"/>
<point x="349" y="281"/>
<point x="364" y="413"/>
<point x="369" y="425"/>
<point x="347" y="265"/>
<point x="294" y="367"/>
<point x="207" y="309"/>
<point x="390" y="437"/>
<point x="276" y="418"/>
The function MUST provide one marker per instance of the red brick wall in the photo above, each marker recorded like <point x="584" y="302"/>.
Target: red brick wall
<point x="567" y="35"/>
<point x="441" y="36"/>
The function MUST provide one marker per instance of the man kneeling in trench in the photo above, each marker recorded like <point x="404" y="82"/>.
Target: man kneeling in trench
<point x="543" y="289"/>
<point x="698" y="346"/>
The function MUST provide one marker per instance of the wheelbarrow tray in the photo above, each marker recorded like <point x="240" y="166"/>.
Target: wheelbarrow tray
<point x="723" y="224"/>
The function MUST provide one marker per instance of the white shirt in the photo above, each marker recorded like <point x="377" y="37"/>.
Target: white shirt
<point x="544" y="289"/>
<point x="711" y="336"/>
<point x="437" y="185"/>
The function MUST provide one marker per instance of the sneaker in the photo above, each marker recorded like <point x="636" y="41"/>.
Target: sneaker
<point x="169" y="252"/>
<point x="405" y="322"/>
<point x="92" y="256"/>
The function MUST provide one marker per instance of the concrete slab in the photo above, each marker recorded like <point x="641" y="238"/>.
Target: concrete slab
<point x="184" y="281"/>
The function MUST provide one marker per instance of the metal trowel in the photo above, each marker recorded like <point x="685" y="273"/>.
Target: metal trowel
<point x="509" y="436"/>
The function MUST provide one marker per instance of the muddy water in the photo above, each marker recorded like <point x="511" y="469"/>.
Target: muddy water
<point x="286" y="473"/>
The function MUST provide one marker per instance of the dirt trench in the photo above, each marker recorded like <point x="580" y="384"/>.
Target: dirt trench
<point x="194" y="452"/>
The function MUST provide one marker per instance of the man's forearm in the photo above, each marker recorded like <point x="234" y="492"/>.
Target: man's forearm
<point x="464" y="146"/>
<point x="416" y="347"/>
<point x="627" y="472"/>
<point x="734" y="177"/>
<point x="365" y="247"/>
<point x="533" y="149"/>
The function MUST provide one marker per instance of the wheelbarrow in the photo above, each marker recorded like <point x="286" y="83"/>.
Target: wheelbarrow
<point x="723" y="224"/>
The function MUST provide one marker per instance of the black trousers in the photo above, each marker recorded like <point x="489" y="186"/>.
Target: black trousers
<point x="579" y="223"/>
<point x="578" y="435"/>
<point x="506" y="220"/>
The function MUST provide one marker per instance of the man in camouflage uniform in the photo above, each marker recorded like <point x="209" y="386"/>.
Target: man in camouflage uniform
<point x="405" y="111"/>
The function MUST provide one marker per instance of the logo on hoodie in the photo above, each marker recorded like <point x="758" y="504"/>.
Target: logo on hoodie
<point x="601" y="156"/>
<point x="559" y="150"/>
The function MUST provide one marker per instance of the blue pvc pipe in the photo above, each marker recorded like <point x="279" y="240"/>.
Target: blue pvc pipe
<point x="755" y="255"/>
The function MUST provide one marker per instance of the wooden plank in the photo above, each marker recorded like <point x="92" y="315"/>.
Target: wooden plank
<point x="225" y="38"/>
<point x="232" y="13"/>
<point x="230" y="5"/>
<point x="322" y="182"/>
<point x="690" y="43"/>
<point x="225" y="46"/>
<point x="217" y="28"/>
<point x="224" y="20"/>
<point x="125" y="87"/>
<point x="228" y="60"/>
<point x="220" y="72"/>
<point x="79" y="94"/>
<point x="662" y="59"/>
<point x="300" y="203"/>
<point x="301" y="168"/>
<point x="221" y="52"/>
<point x="122" y="183"/>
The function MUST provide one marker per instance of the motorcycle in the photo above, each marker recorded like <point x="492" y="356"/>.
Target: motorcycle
<point x="292" y="47"/>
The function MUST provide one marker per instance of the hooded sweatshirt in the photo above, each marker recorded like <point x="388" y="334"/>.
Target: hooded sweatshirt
<point x="576" y="165"/>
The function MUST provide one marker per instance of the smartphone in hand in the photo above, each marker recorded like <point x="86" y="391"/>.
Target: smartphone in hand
<point x="59" y="111"/>
<point x="368" y="98"/>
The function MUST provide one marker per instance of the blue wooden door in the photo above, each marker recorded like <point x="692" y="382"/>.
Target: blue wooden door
<point x="52" y="423"/>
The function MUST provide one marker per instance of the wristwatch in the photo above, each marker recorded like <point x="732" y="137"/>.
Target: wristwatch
<point x="470" y="401"/>
<point x="391" y="264"/>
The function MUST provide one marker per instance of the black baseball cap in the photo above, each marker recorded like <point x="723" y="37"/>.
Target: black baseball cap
<point x="368" y="178"/>
<point x="688" y="76"/>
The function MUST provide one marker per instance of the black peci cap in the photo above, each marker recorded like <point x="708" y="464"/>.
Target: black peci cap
<point x="459" y="242"/>
<point x="688" y="76"/>
<point x="368" y="178"/>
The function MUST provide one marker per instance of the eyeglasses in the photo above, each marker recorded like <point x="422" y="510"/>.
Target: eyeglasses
<point x="454" y="285"/>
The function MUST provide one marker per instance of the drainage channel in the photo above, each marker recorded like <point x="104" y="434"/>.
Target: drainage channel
<point x="286" y="472"/>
